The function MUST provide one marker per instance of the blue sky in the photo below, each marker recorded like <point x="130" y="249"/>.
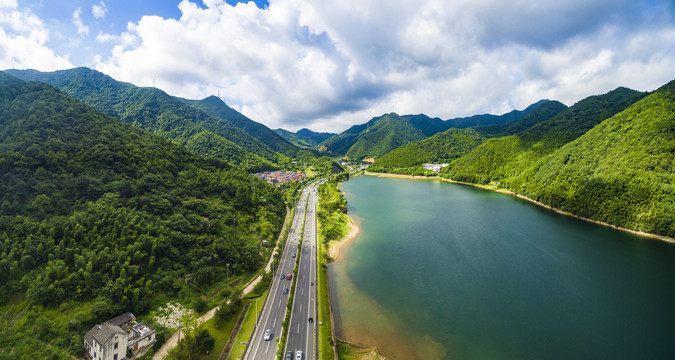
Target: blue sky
<point x="329" y="64"/>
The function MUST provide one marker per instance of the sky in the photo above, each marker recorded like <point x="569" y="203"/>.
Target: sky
<point x="329" y="64"/>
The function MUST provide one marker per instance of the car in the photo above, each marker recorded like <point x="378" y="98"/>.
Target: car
<point x="268" y="335"/>
<point x="293" y="255"/>
<point x="289" y="276"/>
<point x="289" y="355"/>
<point x="311" y="320"/>
<point x="285" y="290"/>
<point x="311" y="283"/>
<point x="298" y="355"/>
<point x="282" y="276"/>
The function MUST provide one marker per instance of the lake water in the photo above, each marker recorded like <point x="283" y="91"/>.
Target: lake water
<point x="448" y="271"/>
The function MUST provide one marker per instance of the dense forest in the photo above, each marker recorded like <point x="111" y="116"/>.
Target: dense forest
<point x="98" y="218"/>
<point x="304" y="137"/>
<point x="155" y="111"/>
<point x="382" y="134"/>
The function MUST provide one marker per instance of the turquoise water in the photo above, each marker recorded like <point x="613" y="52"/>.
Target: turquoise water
<point x="448" y="271"/>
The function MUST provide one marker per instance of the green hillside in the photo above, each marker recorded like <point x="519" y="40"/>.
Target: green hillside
<point x="441" y="148"/>
<point x="503" y="157"/>
<point x="388" y="132"/>
<point x="454" y="143"/>
<point x="304" y="137"/>
<point x="216" y="107"/>
<point x="621" y="171"/>
<point x="155" y="111"/>
<point x="98" y="218"/>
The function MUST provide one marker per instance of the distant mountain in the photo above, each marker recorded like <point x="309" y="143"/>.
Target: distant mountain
<point x="98" y="218"/>
<point x="214" y="106"/>
<point x="506" y="156"/>
<point x="305" y="137"/>
<point x="620" y="171"/>
<point x="385" y="133"/>
<point x="155" y="111"/>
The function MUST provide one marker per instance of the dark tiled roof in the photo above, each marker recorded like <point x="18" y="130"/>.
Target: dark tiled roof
<point x="102" y="333"/>
<point x="122" y="319"/>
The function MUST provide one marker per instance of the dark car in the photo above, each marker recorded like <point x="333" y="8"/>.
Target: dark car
<point x="289" y="355"/>
<point x="285" y="290"/>
<point x="282" y="276"/>
<point x="311" y="320"/>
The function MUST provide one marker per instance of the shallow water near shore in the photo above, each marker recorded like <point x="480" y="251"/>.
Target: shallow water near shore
<point x="447" y="271"/>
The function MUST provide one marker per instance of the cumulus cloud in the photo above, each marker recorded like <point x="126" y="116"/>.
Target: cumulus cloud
<point x="77" y="21"/>
<point x="331" y="64"/>
<point x="23" y="39"/>
<point x="99" y="11"/>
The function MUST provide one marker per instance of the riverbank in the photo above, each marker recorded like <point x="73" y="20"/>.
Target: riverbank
<point x="509" y="192"/>
<point x="349" y="351"/>
<point x="334" y="246"/>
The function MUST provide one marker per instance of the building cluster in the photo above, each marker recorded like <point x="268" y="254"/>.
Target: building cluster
<point x="279" y="177"/>
<point x="434" y="167"/>
<point x="116" y="338"/>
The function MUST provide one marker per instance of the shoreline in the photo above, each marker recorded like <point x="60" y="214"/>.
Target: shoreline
<point x="334" y="246"/>
<point x="509" y="192"/>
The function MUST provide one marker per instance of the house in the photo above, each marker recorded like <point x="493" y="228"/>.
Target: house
<point x="106" y="342"/>
<point x="112" y="339"/>
<point x="434" y="167"/>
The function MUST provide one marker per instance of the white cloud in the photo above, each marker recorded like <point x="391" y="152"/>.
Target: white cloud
<point x="23" y="39"/>
<point x="8" y="4"/>
<point x="99" y="11"/>
<point x="331" y="64"/>
<point x="77" y="20"/>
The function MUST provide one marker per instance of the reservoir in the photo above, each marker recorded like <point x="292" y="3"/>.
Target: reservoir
<point x="449" y="271"/>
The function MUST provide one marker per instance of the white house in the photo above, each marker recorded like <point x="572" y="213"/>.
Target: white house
<point x="106" y="342"/>
<point x="110" y="340"/>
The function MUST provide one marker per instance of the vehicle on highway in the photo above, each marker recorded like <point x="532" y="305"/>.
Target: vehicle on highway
<point x="289" y="276"/>
<point x="285" y="290"/>
<point x="282" y="276"/>
<point x="293" y="255"/>
<point x="289" y="355"/>
<point x="311" y="320"/>
<point x="311" y="283"/>
<point x="298" y="355"/>
<point x="268" y="335"/>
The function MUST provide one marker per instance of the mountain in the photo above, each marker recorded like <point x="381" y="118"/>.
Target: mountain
<point x="449" y="145"/>
<point x="620" y="171"/>
<point x="305" y="137"/>
<point x="155" y="111"/>
<point x="98" y="217"/>
<point x="506" y="156"/>
<point x="388" y="132"/>
<point x="214" y="106"/>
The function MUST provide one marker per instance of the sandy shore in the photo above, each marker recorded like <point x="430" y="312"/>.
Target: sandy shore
<point x="508" y="192"/>
<point x="335" y="245"/>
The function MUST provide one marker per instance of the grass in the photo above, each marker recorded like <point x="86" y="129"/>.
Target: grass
<point x="221" y="335"/>
<point x="347" y="351"/>
<point x="325" y="329"/>
<point x="246" y="328"/>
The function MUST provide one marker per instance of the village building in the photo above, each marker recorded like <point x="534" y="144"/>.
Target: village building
<point x="276" y="178"/>
<point x="434" y="167"/>
<point x="112" y="339"/>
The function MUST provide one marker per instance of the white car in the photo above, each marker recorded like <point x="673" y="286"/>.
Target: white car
<point x="268" y="335"/>
<point x="298" y="355"/>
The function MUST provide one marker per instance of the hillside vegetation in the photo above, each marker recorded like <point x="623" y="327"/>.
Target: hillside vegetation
<point x="155" y="111"/>
<point x="98" y="218"/>
<point x="621" y="172"/>
<point x="304" y="137"/>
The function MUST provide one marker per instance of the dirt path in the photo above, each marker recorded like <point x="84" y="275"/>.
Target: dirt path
<point x="173" y="340"/>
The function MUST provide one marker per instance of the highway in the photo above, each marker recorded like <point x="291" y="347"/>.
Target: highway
<point x="301" y="333"/>
<point x="274" y="311"/>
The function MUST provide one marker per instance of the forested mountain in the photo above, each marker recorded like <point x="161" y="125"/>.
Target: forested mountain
<point x="622" y="171"/>
<point x="214" y="106"/>
<point x="454" y="143"/>
<point x="305" y="137"/>
<point x="98" y="218"/>
<point x="155" y="111"/>
<point x="502" y="157"/>
<point x="388" y="132"/>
